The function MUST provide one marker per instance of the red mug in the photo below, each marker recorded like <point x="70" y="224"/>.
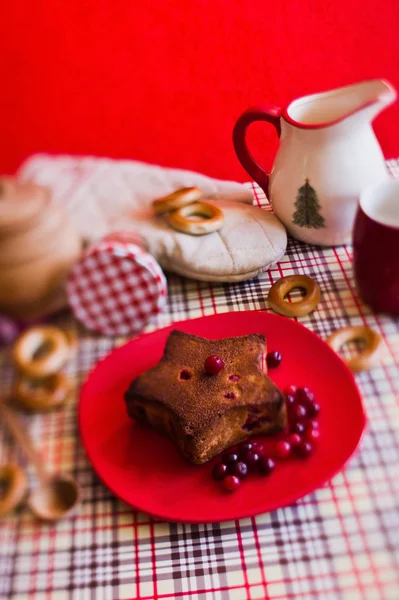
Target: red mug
<point x="376" y="247"/>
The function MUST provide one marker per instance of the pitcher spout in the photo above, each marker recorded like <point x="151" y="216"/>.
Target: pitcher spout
<point x="378" y="95"/>
<point x="364" y="100"/>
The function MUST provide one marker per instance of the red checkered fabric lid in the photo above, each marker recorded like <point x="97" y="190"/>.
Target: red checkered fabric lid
<point x="116" y="288"/>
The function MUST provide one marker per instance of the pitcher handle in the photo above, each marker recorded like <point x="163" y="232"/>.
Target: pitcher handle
<point x="270" y="114"/>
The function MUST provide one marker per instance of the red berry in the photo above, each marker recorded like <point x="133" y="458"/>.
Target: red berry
<point x="299" y="427"/>
<point x="312" y="435"/>
<point x="290" y="400"/>
<point x="273" y="359"/>
<point x="290" y="390"/>
<point x="294" y="439"/>
<point x="239" y="469"/>
<point x="313" y="410"/>
<point x="298" y="411"/>
<point x="229" y="458"/>
<point x="213" y="364"/>
<point x="244" y="454"/>
<point x="245" y="447"/>
<point x="304" y="449"/>
<point x="219" y="471"/>
<point x="231" y="483"/>
<point x="282" y="449"/>
<point x="313" y="424"/>
<point x="258" y="447"/>
<point x="252" y="460"/>
<point x="266" y="465"/>
<point x="304" y="395"/>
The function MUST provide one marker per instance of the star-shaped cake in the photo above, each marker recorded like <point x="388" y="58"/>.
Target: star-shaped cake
<point x="203" y="413"/>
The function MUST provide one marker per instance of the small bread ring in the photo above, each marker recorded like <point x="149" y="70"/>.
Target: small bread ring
<point x="176" y="200"/>
<point x="294" y="309"/>
<point x="15" y="485"/>
<point x="49" y="394"/>
<point x="56" y="352"/>
<point x="213" y="220"/>
<point x="366" y="358"/>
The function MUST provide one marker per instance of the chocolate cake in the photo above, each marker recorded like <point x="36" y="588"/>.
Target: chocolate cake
<point x="205" y="413"/>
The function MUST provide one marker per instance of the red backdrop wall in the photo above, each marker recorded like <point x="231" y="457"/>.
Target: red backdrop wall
<point x="164" y="81"/>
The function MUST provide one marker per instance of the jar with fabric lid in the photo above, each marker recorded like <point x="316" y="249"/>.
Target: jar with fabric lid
<point x="117" y="288"/>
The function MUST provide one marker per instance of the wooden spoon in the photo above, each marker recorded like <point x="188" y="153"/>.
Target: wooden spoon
<point x="57" y="495"/>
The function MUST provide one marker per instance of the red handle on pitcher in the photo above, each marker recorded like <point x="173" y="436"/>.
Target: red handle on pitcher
<point x="270" y="114"/>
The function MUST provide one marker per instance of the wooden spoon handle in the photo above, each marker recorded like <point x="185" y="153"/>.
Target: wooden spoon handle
<point x="16" y="429"/>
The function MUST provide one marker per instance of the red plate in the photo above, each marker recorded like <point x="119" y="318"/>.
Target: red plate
<point x="144" y="468"/>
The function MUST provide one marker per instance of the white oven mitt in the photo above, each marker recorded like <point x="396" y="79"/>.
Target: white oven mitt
<point x="104" y="195"/>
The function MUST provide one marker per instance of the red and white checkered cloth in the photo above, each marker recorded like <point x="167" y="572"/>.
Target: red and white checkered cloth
<point x="339" y="543"/>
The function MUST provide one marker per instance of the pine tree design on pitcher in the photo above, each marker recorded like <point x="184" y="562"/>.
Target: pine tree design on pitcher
<point x="307" y="206"/>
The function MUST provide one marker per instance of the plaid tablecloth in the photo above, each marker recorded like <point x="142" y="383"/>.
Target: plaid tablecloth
<point x="341" y="542"/>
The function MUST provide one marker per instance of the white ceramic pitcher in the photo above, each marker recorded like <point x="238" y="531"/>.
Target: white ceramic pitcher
<point x="328" y="154"/>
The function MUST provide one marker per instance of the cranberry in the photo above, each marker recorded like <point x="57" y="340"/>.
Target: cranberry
<point x="294" y="439"/>
<point x="313" y="410"/>
<point x="290" y="390"/>
<point x="299" y="427"/>
<point x="304" y="449"/>
<point x="244" y="454"/>
<point x="239" y="469"/>
<point x="282" y="449"/>
<point x="290" y="400"/>
<point x="219" y="471"/>
<point x="252" y="460"/>
<point x="213" y="364"/>
<point x="298" y="411"/>
<point x="231" y="483"/>
<point x="229" y="458"/>
<point x="304" y="395"/>
<point x="266" y="465"/>
<point x="273" y="359"/>
<point x="313" y="424"/>
<point x="258" y="447"/>
<point x="312" y="435"/>
<point x="244" y="448"/>
<point x="249" y="448"/>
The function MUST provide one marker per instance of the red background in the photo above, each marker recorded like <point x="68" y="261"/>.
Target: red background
<point x="164" y="81"/>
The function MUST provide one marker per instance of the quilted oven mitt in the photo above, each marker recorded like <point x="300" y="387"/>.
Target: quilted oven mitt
<point x="104" y="195"/>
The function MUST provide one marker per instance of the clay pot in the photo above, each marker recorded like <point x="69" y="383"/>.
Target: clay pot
<point x="38" y="246"/>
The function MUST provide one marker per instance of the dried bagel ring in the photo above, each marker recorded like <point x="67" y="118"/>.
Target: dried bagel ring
<point x="176" y="200"/>
<point x="283" y="286"/>
<point x="212" y="219"/>
<point x="44" y="395"/>
<point x="366" y="358"/>
<point x="15" y="484"/>
<point x="41" y="351"/>
<point x="294" y="309"/>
